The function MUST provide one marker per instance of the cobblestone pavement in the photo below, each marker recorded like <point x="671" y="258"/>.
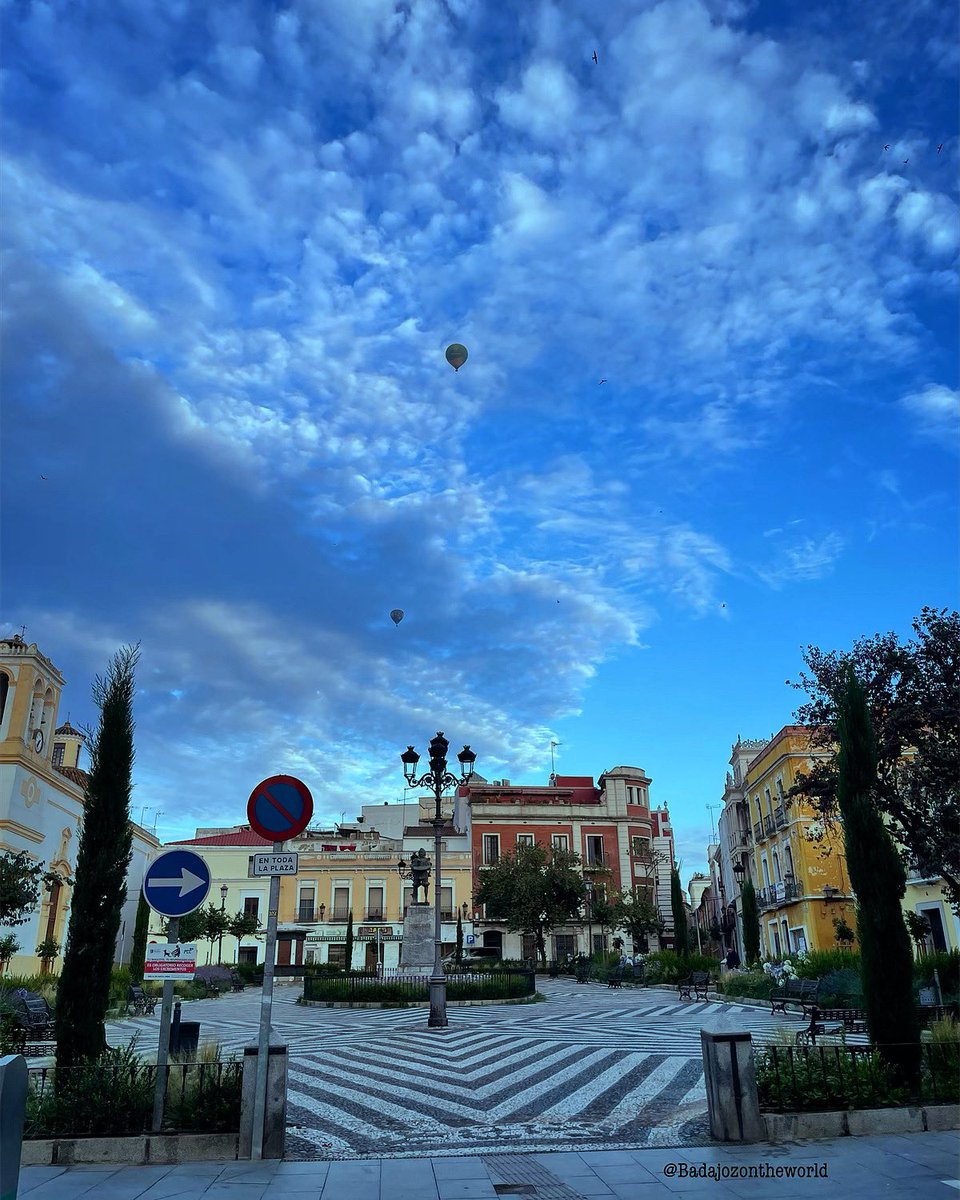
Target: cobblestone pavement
<point x="589" y="1068"/>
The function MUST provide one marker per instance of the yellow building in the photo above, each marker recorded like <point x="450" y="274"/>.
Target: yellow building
<point x="41" y="801"/>
<point x="348" y="871"/>
<point x="797" y="861"/>
<point x="925" y="897"/>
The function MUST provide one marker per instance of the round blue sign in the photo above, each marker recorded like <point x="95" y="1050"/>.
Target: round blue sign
<point x="176" y="883"/>
<point x="280" y="808"/>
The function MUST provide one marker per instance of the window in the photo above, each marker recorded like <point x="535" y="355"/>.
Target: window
<point x="564" y="944"/>
<point x="524" y="839"/>
<point x="4" y="688"/>
<point x="640" y="847"/>
<point x="630" y="790"/>
<point x="491" y="849"/>
<point x="305" y="904"/>
<point x="780" y="795"/>
<point x="766" y="793"/>
<point x="375" y="904"/>
<point x="251" y="906"/>
<point x="58" y="749"/>
<point x="599" y="943"/>
<point x="247" y="954"/>
<point x="446" y="904"/>
<point x="766" y="871"/>
<point x="341" y="903"/>
<point x="594" y="849"/>
<point x="560" y="841"/>
<point x="528" y="946"/>
<point x="337" y="955"/>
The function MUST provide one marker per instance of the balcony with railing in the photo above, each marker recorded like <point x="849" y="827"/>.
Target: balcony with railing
<point x="780" y="816"/>
<point x="339" y="914"/>
<point x="306" y="913"/>
<point x="768" y="826"/>
<point x="597" y="862"/>
<point x="738" y="839"/>
<point x="374" y="914"/>
<point x="758" y="831"/>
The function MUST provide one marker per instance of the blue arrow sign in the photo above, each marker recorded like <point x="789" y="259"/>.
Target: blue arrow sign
<point x="176" y="883"/>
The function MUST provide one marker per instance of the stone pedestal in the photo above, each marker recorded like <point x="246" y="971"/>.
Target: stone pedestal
<point x="275" y="1113"/>
<point x="416" y="952"/>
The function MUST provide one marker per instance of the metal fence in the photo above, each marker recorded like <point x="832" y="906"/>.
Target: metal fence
<point x="823" y="1078"/>
<point x="369" y="988"/>
<point x="115" y="1101"/>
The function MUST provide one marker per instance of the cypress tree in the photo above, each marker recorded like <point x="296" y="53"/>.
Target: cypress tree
<point x="103" y="855"/>
<point x="681" y="936"/>
<point x="878" y="878"/>
<point x="138" y="949"/>
<point x="750" y="915"/>
<point x="349" y="954"/>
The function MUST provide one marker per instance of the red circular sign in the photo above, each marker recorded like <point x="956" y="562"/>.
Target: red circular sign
<point x="279" y="808"/>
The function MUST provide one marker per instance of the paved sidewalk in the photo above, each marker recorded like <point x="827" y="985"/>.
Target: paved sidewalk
<point x="924" y="1166"/>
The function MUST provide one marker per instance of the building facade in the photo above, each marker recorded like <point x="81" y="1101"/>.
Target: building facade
<point x="41" y="802"/>
<point x="621" y="841"/>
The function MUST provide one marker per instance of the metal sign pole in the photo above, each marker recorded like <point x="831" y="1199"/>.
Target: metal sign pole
<point x="266" y="1006"/>
<point x="163" y="1049"/>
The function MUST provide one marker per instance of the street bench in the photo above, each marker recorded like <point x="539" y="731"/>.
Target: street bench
<point x="139" y="1004"/>
<point x="829" y="1022"/>
<point x="798" y="991"/>
<point x="697" y="982"/>
<point x="615" y="978"/>
<point x="236" y="981"/>
<point x="32" y="1032"/>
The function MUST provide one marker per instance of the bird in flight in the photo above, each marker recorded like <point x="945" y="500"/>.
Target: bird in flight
<point x="602" y="381"/>
<point x="595" y="59"/>
<point x="905" y="161"/>
<point x="887" y="146"/>
<point x="43" y="476"/>
<point x="940" y="147"/>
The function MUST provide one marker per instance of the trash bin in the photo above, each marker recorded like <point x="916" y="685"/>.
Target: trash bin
<point x="188" y="1039"/>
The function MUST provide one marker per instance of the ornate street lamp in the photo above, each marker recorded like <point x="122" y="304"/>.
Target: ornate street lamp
<point x="739" y="870"/>
<point x="437" y="780"/>
<point x="588" y="887"/>
<point x="223" y="904"/>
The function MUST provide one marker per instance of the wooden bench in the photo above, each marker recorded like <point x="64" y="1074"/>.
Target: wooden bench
<point x="697" y="983"/>
<point x="615" y="978"/>
<point x="798" y="991"/>
<point x="839" y="1020"/>
<point x="139" y="1004"/>
<point x="236" y="981"/>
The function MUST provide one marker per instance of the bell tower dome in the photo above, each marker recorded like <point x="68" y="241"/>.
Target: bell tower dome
<point x="30" y="688"/>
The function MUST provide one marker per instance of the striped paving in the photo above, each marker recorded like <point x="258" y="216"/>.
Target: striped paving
<point x="591" y="1068"/>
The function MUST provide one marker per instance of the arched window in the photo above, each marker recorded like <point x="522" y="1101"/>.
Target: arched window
<point x="777" y="877"/>
<point x="788" y="861"/>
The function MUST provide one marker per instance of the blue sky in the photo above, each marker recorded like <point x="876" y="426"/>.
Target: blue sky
<point x="239" y="238"/>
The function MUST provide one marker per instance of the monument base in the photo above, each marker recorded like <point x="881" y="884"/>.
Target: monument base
<point x="417" y="949"/>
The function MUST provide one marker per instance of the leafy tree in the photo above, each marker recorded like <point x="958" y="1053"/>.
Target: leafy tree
<point x="20" y="881"/>
<point x="243" y="925"/>
<point x="842" y="933"/>
<point x="138" y="948"/>
<point x="681" y="935"/>
<point x="8" y="948"/>
<point x="214" y="924"/>
<point x="533" y="890"/>
<point x="603" y="911"/>
<point x="191" y="928"/>
<point x="750" y="915"/>
<point x="349" y="950"/>
<point x="47" y="951"/>
<point x="637" y="915"/>
<point x="103" y="856"/>
<point x="458" y="958"/>
<point x="878" y="877"/>
<point x="919" y="929"/>
<point x="912" y="693"/>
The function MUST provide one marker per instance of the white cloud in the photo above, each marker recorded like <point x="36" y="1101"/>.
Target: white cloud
<point x="936" y="411"/>
<point x="803" y="560"/>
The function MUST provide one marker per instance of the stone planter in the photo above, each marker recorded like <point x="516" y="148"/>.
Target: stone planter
<point x="144" y="1148"/>
<point x="860" y="1122"/>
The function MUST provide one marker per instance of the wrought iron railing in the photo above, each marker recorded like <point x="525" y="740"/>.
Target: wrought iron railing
<point x="779" y="816"/>
<point x="306" y="912"/>
<point x="822" y="1078"/>
<point x="116" y="1099"/>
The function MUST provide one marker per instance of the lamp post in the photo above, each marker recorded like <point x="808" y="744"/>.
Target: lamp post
<point x="588" y="887"/>
<point x="223" y="904"/>
<point x="437" y="779"/>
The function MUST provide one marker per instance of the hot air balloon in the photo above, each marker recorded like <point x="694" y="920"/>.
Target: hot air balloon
<point x="396" y="616"/>
<point x="456" y="355"/>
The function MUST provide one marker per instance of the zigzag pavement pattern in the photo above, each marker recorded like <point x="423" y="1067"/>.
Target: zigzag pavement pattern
<point x="471" y="1091"/>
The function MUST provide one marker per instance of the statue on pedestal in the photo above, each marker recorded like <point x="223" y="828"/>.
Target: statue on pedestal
<point x="420" y="873"/>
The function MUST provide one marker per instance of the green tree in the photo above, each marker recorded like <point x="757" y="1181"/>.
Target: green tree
<point x="138" y="949"/>
<point x="191" y="928"/>
<point x="637" y="915"/>
<point x="750" y="914"/>
<point x="243" y="925"/>
<point x="214" y="924"/>
<point x="603" y="910"/>
<point x="532" y="890"/>
<point x="681" y="935"/>
<point x="458" y="958"/>
<point x="878" y="878"/>
<point x="349" y="950"/>
<point x="919" y="929"/>
<point x="8" y="948"/>
<point x="913" y="697"/>
<point x="47" y="951"/>
<point x="20" y="881"/>
<point x="103" y="856"/>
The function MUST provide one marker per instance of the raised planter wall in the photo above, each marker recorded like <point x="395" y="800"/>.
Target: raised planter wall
<point x="144" y="1148"/>
<point x="860" y="1122"/>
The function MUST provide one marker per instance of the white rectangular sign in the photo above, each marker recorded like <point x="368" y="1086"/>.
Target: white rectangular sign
<point x="275" y="864"/>
<point x="170" y="960"/>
